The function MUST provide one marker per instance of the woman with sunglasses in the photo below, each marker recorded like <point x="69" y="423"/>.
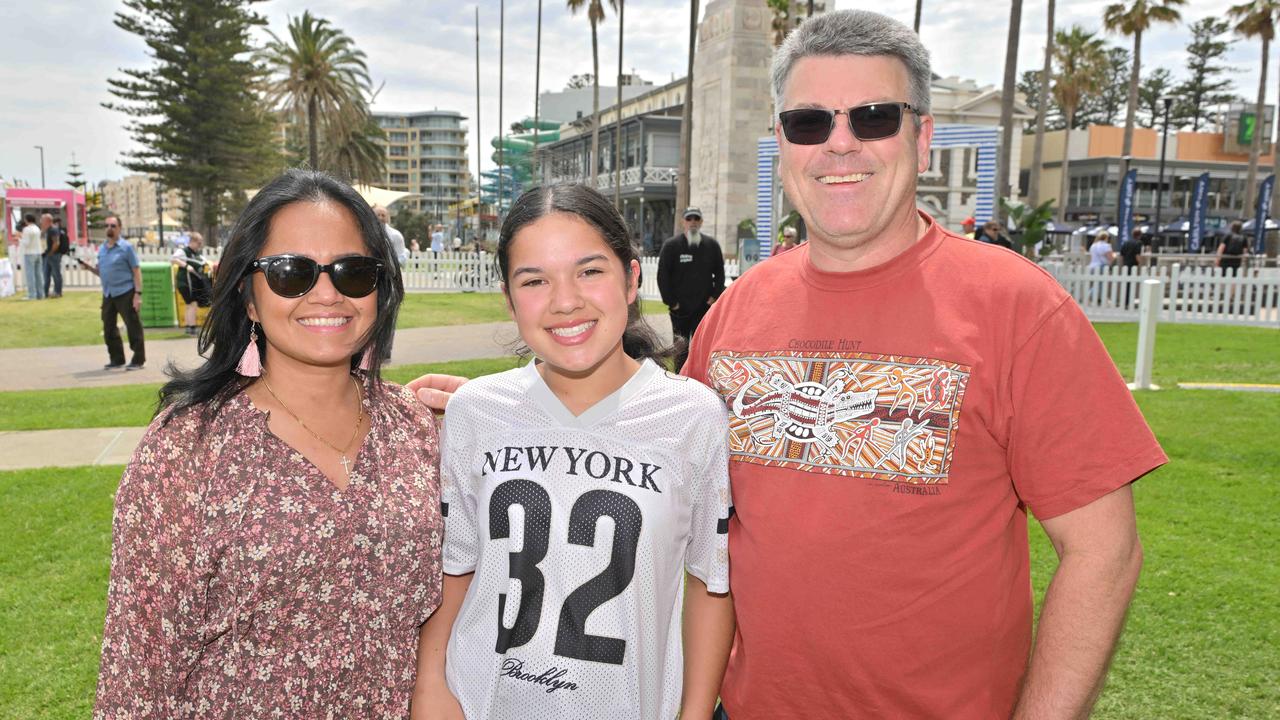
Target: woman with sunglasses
<point x="586" y="498"/>
<point x="277" y="532"/>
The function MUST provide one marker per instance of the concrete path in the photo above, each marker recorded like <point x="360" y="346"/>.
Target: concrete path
<point x="67" y="448"/>
<point x="77" y="367"/>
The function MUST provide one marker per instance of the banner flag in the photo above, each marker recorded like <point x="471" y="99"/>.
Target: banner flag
<point x="1260" y="217"/>
<point x="1199" y="204"/>
<point x="1125" y="221"/>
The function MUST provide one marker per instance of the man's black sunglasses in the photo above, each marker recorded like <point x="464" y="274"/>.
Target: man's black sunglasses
<point x="812" y="126"/>
<point x="293" y="276"/>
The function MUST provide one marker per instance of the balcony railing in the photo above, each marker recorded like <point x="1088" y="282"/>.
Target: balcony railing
<point x="630" y="177"/>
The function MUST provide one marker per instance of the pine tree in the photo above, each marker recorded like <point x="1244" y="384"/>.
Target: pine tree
<point x="74" y="174"/>
<point x="1029" y="86"/>
<point x="1208" y="83"/>
<point x="1104" y="105"/>
<point x="196" y="113"/>
<point x="1157" y="85"/>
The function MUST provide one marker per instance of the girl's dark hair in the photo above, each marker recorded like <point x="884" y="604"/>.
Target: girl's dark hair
<point x="225" y="333"/>
<point x="639" y="339"/>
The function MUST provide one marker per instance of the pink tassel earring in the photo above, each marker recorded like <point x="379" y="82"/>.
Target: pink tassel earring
<point x="367" y="358"/>
<point x="251" y="362"/>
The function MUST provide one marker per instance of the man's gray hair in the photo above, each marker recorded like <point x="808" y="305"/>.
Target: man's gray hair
<point x="856" y="32"/>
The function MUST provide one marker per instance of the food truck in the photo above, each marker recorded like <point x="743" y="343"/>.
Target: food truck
<point x="69" y="205"/>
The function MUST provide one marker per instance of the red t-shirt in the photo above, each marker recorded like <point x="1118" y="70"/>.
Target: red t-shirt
<point x="890" y="427"/>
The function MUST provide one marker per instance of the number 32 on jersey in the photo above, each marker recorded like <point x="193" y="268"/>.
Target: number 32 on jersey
<point x="572" y="639"/>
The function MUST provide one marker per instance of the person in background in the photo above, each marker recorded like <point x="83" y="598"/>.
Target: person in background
<point x="57" y="244"/>
<point x="437" y="239"/>
<point x="690" y="277"/>
<point x="396" y="238"/>
<point x="401" y="255"/>
<point x="1232" y="249"/>
<point x="31" y="250"/>
<point x="121" y="277"/>
<point x="1101" y="254"/>
<point x="194" y="284"/>
<point x="967" y="227"/>
<point x="991" y="233"/>
<point x="788" y="241"/>
<point x="1131" y="249"/>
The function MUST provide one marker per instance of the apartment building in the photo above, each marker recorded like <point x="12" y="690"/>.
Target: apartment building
<point x="133" y="198"/>
<point x="427" y="156"/>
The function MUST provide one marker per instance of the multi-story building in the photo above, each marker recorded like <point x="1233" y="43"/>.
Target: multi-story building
<point x="649" y="161"/>
<point x="133" y="198"/>
<point x="1096" y="166"/>
<point x="426" y="156"/>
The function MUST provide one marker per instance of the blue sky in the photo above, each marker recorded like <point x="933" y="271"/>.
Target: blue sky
<point x="58" y="55"/>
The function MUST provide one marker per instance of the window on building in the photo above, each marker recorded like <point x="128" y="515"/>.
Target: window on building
<point x="664" y="149"/>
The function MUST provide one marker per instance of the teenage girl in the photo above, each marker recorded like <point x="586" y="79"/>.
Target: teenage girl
<point x="586" y="499"/>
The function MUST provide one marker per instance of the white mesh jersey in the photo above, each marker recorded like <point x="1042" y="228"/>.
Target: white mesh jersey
<point x="579" y="531"/>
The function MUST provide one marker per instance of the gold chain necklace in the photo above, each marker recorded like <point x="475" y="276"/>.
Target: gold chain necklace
<point x="346" y="462"/>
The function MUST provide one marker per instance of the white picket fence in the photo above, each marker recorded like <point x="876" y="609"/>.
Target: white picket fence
<point x="1191" y="294"/>
<point x="424" y="272"/>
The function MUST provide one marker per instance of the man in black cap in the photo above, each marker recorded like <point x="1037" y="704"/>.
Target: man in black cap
<point x="690" y="276"/>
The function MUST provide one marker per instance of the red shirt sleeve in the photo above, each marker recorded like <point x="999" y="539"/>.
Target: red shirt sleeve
<point x="1075" y="432"/>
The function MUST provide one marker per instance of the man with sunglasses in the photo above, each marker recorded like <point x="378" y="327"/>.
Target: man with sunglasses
<point x="900" y="397"/>
<point x="121" y="277"/>
<point x="690" y="276"/>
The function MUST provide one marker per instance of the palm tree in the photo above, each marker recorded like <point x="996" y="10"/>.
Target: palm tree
<point x="1006" y="101"/>
<point x="320" y="76"/>
<point x="354" y="154"/>
<point x="1082" y="63"/>
<point x="1134" y="20"/>
<point x="780" y="10"/>
<point x="595" y="14"/>
<point x="686" y="124"/>
<point x="1257" y="19"/>
<point x="1037" y="154"/>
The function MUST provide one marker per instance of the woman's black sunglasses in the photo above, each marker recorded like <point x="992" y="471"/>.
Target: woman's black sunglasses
<point x="293" y="276"/>
<point x="812" y="126"/>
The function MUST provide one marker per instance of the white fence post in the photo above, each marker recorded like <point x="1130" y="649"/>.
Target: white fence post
<point x="1149" y="316"/>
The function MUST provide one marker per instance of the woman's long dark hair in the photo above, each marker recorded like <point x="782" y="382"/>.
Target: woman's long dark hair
<point x="225" y="333"/>
<point x="639" y="339"/>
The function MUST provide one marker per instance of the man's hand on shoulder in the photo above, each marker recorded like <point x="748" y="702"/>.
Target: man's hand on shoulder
<point x="435" y="390"/>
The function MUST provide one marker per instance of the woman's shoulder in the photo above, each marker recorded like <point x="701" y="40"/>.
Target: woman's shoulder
<point x="398" y="400"/>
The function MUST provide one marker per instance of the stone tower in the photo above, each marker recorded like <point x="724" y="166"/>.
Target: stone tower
<point x="731" y="110"/>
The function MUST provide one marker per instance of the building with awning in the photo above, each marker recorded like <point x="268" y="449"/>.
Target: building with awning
<point x="382" y="196"/>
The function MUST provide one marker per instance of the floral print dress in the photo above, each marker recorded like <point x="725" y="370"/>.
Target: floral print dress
<point x="244" y="584"/>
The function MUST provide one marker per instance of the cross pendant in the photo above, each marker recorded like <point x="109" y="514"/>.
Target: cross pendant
<point x="346" y="465"/>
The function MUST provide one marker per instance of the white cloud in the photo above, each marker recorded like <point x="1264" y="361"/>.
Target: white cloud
<point x="424" y="52"/>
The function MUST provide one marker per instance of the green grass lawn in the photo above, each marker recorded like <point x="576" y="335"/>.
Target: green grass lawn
<point x="74" y="319"/>
<point x="1199" y="353"/>
<point x="1202" y="633"/>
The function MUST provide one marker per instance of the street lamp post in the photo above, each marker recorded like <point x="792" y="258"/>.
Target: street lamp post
<point x="1164" y="145"/>
<point x="41" y="149"/>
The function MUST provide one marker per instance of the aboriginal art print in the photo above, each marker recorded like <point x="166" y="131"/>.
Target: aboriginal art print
<point x="879" y="417"/>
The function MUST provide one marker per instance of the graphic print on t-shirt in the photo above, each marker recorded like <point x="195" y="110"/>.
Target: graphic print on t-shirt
<point x="880" y="417"/>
